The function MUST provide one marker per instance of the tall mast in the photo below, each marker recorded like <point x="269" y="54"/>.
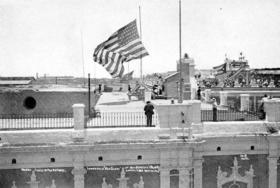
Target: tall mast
<point x="180" y="100"/>
<point x="83" y="59"/>
<point x="141" y="73"/>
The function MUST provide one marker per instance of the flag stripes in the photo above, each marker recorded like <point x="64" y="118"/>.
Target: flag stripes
<point x="122" y="46"/>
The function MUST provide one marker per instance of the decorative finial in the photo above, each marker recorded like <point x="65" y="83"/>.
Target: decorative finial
<point x="122" y="173"/>
<point x="33" y="176"/>
<point x="235" y="162"/>
<point x="14" y="184"/>
<point x="53" y="184"/>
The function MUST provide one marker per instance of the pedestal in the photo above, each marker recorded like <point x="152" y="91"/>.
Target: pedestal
<point x="164" y="178"/>
<point x="198" y="173"/>
<point x="184" y="178"/>
<point x="79" y="178"/>
<point x="272" y="176"/>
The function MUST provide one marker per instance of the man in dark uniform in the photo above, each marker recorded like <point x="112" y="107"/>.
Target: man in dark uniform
<point x="149" y="111"/>
<point x="198" y="93"/>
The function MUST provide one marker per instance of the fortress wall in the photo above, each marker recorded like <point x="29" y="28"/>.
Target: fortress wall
<point x="46" y="102"/>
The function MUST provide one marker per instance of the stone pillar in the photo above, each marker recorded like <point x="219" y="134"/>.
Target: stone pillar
<point x="184" y="178"/>
<point x="272" y="177"/>
<point x="79" y="116"/>
<point x="223" y="98"/>
<point x="272" y="109"/>
<point x="198" y="172"/>
<point x="196" y="111"/>
<point x="187" y="71"/>
<point x="196" y="125"/>
<point x="187" y="91"/>
<point x="164" y="177"/>
<point x="79" y="176"/>
<point x="244" y="102"/>
<point x="207" y="93"/>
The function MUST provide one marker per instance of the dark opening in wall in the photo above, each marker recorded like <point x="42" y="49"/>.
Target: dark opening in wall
<point x="0" y="138"/>
<point x="100" y="158"/>
<point x="219" y="148"/>
<point x="14" y="161"/>
<point x="29" y="103"/>
<point x="252" y="147"/>
<point x="139" y="157"/>
<point x="52" y="160"/>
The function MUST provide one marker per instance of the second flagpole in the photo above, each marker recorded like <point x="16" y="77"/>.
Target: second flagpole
<point x="140" y="24"/>
<point x="180" y="100"/>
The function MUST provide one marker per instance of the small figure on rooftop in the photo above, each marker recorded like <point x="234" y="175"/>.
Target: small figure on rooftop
<point x="199" y="93"/>
<point x="99" y="88"/>
<point x="149" y="111"/>
<point x="215" y="109"/>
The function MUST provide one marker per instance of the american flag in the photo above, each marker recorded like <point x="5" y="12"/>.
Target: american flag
<point x="122" y="46"/>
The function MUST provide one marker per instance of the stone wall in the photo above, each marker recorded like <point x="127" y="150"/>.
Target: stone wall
<point x="62" y="176"/>
<point x="46" y="102"/>
<point x="94" y="176"/>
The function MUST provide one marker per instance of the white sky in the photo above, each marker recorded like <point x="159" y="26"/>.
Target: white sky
<point x="44" y="36"/>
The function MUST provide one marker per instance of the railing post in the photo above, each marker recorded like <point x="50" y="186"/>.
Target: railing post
<point x="207" y="93"/>
<point x="79" y="121"/>
<point x="272" y="109"/>
<point x="244" y="102"/>
<point x="196" y="125"/>
<point x="79" y="116"/>
<point x="223" y="98"/>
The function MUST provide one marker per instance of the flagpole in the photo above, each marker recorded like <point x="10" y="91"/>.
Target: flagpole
<point x="180" y="100"/>
<point x="89" y="112"/>
<point x="141" y="73"/>
<point x="82" y="46"/>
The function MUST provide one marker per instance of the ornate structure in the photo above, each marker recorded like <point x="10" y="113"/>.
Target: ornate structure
<point x="234" y="178"/>
<point x="123" y="182"/>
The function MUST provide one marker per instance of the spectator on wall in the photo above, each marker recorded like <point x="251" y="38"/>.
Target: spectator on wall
<point x="215" y="109"/>
<point x="99" y="88"/>
<point x="198" y="93"/>
<point x="149" y="111"/>
<point x="261" y="109"/>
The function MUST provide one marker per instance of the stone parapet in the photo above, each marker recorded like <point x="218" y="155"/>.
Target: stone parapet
<point x="179" y="114"/>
